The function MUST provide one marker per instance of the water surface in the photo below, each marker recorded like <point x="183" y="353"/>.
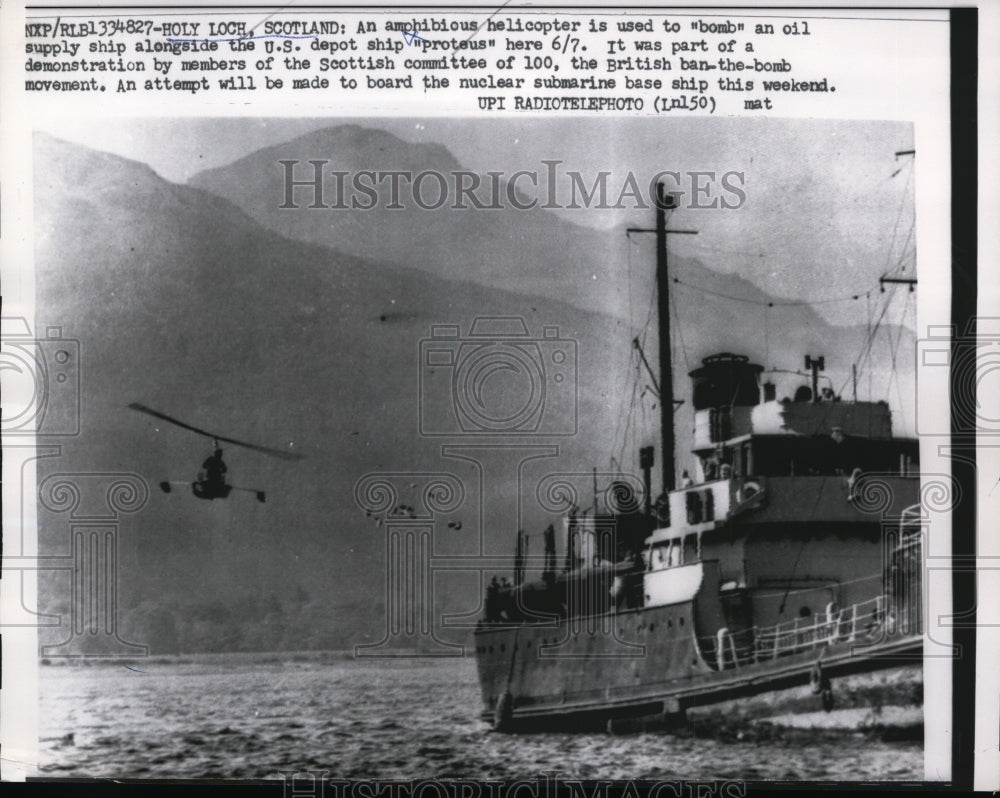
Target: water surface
<point x="256" y="716"/>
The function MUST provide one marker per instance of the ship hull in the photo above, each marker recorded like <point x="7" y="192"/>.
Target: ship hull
<point x="649" y="663"/>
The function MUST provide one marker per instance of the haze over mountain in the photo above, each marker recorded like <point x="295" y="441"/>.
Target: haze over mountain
<point x="273" y="328"/>
<point x="534" y="249"/>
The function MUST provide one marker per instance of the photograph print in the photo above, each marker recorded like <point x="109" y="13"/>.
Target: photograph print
<point x="471" y="449"/>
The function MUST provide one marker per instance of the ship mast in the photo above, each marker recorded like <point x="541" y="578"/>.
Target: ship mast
<point x="665" y="201"/>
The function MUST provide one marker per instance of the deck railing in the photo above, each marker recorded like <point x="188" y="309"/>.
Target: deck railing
<point x="866" y="623"/>
<point x="896" y="614"/>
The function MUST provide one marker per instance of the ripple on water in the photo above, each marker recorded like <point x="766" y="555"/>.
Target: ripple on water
<point x="235" y="719"/>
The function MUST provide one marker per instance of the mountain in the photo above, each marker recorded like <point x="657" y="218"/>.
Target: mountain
<point x="184" y="302"/>
<point x="539" y="252"/>
<point x="497" y="247"/>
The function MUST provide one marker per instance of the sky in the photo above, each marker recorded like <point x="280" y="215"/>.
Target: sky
<point x="829" y="203"/>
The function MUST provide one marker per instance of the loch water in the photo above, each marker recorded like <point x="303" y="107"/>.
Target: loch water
<point x="257" y="716"/>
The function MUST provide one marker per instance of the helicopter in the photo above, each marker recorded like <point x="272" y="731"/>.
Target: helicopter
<point x="211" y="482"/>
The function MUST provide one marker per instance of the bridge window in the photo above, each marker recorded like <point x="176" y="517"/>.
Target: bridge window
<point x="693" y="501"/>
<point x="691" y="548"/>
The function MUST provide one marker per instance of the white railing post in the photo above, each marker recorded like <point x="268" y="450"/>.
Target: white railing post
<point x="720" y="648"/>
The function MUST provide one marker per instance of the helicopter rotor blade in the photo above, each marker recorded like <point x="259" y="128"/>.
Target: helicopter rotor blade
<point x="253" y="446"/>
<point x="157" y="414"/>
<point x="262" y="449"/>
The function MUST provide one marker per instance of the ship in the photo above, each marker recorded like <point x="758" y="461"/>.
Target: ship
<point x="790" y="558"/>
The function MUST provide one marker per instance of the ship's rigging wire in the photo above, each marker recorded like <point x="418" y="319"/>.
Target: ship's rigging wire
<point x="771" y="302"/>
<point x="624" y="424"/>
<point x="680" y="331"/>
<point x="864" y="358"/>
<point x="860" y="366"/>
<point x="629" y="417"/>
<point x="894" y="351"/>
<point x="631" y="426"/>
<point x="899" y="215"/>
<point x="625" y="427"/>
<point x="699" y="244"/>
<point x="862" y="361"/>
<point x="624" y="415"/>
<point x="904" y="252"/>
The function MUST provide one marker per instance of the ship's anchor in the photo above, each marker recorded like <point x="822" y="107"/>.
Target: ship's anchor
<point x="820" y="684"/>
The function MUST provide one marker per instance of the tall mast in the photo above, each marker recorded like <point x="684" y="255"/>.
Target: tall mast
<point x="664" y="201"/>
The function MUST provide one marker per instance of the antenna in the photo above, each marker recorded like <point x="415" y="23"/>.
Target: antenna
<point x="910" y="281"/>
<point x="816" y="365"/>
